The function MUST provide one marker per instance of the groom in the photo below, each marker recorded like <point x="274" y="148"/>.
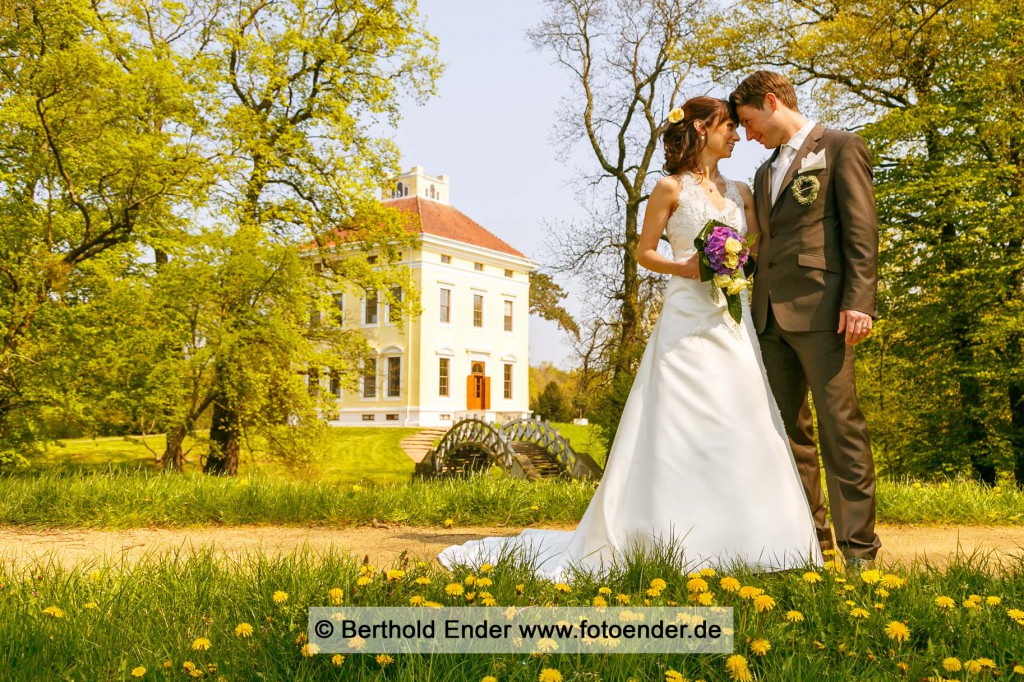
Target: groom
<point x="814" y="298"/>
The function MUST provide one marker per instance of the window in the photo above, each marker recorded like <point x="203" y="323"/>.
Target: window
<point x="446" y="259"/>
<point x="401" y="189"/>
<point x="313" y="381"/>
<point x="369" y="417"/>
<point x="394" y="312"/>
<point x="372" y="260"/>
<point x="508" y="273"/>
<point x="508" y="316"/>
<point x="478" y="310"/>
<point x="335" y="383"/>
<point x="432" y="193"/>
<point x="508" y="382"/>
<point x="442" y="377"/>
<point x="479" y="267"/>
<point x="394" y="377"/>
<point x="371" y="307"/>
<point x="391" y="417"/>
<point x="370" y="378"/>
<point x="446" y="305"/>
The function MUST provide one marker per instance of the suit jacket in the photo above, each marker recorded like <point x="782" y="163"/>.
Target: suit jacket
<point x="818" y="259"/>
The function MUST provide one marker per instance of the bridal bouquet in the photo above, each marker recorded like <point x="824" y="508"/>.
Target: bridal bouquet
<point x="723" y="252"/>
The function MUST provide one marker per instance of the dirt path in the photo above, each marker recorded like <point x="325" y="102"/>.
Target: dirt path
<point x="903" y="544"/>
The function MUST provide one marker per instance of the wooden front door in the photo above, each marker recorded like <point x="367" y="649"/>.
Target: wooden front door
<point x="478" y="388"/>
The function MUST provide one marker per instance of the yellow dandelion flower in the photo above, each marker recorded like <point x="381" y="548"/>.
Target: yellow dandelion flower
<point x="357" y="643"/>
<point x="488" y="601"/>
<point x="357" y="488"/>
<point x="651" y="592"/>
<point x="993" y="601"/>
<point x="828" y="552"/>
<point x="622" y="598"/>
<point x="168" y="665"/>
<point x="189" y="666"/>
<point x="470" y="596"/>
<point x="301" y="639"/>
<point x="549" y="675"/>
<point x="763" y="602"/>
<point x="972" y="666"/>
<point x="738" y="669"/>
<point x="871" y="577"/>
<point x="658" y="584"/>
<point x="882" y="592"/>
<point x="336" y="596"/>
<point x="422" y="580"/>
<point x="243" y="630"/>
<point x="433" y="605"/>
<point x="90" y="605"/>
<point x="546" y="644"/>
<point x="878" y="605"/>
<point x="794" y="616"/>
<point x="697" y="585"/>
<point x="486" y="568"/>
<point x="708" y="572"/>
<point x="986" y="663"/>
<point x="453" y="589"/>
<point x="417" y="600"/>
<point x="819" y="645"/>
<point x="337" y="659"/>
<point x="674" y="676"/>
<point x="363" y="580"/>
<point x="945" y="602"/>
<point x="604" y="590"/>
<point x="897" y="631"/>
<point x="367" y="569"/>
<point x="905" y="667"/>
<point x="1015" y="614"/>
<point x="384" y="660"/>
<point x="705" y="599"/>
<point x="201" y="644"/>
<point x="729" y="584"/>
<point x="54" y="611"/>
<point x="952" y="664"/>
<point x="749" y="592"/>
<point x="811" y="577"/>
<point x="448" y="523"/>
<point x="310" y="650"/>
<point x="599" y="601"/>
<point x="971" y="604"/>
<point x="484" y="582"/>
<point x="489" y="678"/>
<point x="859" y="613"/>
<point x="562" y="587"/>
<point x="519" y="588"/>
<point x="1018" y="669"/>
<point x="470" y="579"/>
<point x="138" y="672"/>
<point x="892" y="581"/>
<point x="394" y="574"/>
<point x="760" y="647"/>
<point x="280" y="597"/>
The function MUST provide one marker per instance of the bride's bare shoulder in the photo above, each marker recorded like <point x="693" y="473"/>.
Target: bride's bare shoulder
<point x="668" y="187"/>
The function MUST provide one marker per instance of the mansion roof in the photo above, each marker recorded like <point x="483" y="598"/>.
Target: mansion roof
<point x="442" y="220"/>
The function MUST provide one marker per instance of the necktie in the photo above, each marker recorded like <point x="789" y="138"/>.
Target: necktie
<point x="785" y="158"/>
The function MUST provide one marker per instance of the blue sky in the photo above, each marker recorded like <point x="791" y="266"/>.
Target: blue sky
<point x="490" y="129"/>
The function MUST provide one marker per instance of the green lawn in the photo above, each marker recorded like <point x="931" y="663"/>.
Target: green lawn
<point x="349" y="455"/>
<point x="589" y="439"/>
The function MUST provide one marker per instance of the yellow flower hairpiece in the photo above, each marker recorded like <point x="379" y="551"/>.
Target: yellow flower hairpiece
<point x="675" y="116"/>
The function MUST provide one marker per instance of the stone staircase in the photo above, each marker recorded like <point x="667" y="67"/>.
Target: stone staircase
<point x="420" y="443"/>
<point x="536" y="461"/>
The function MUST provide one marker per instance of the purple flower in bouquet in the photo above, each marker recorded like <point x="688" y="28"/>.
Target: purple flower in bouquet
<point x="726" y="250"/>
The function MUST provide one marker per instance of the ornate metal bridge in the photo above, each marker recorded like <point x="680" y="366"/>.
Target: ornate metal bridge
<point x="524" y="448"/>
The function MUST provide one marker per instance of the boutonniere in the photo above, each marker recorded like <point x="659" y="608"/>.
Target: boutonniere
<point x="805" y="187"/>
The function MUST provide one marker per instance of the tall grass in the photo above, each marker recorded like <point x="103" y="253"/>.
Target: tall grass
<point x="115" y="618"/>
<point x="120" y="499"/>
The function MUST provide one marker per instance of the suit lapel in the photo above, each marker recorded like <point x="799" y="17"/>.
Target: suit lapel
<point x="763" y="191"/>
<point x="810" y="144"/>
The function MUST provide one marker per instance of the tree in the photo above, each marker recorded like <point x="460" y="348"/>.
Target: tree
<point x="628" y="60"/>
<point x="921" y="79"/>
<point x="552" y="405"/>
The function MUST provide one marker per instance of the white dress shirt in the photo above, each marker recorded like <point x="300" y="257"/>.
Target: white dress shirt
<point x="786" y="156"/>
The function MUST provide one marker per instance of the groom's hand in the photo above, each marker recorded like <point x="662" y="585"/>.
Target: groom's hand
<point x="855" y="324"/>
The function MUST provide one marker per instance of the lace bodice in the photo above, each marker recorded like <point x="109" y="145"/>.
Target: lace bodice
<point x="695" y="210"/>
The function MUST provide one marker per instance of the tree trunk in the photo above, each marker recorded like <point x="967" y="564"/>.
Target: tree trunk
<point x="222" y="459"/>
<point x="1016" y="394"/>
<point x="174" y="457"/>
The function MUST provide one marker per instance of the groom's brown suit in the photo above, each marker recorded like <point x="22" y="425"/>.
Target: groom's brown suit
<point x="815" y="260"/>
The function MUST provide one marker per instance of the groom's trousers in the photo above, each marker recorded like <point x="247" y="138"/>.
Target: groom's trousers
<point x="823" y="362"/>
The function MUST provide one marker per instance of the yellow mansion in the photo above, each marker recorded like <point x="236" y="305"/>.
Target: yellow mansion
<point x="468" y="353"/>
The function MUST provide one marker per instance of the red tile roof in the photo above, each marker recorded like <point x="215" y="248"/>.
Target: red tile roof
<point x="443" y="220"/>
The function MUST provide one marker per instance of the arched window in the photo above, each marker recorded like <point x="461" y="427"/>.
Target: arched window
<point x="400" y="189"/>
<point x="432" y="195"/>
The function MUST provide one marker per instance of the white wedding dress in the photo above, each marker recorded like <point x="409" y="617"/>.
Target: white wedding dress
<point x="700" y="457"/>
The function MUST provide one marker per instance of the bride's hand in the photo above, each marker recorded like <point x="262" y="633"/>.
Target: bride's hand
<point x="689" y="268"/>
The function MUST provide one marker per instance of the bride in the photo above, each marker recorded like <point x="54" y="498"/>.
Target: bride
<point x="700" y="457"/>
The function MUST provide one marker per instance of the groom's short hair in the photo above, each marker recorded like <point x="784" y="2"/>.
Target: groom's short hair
<point x="751" y="92"/>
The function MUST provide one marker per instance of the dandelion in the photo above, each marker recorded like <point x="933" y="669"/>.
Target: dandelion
<point x="364" y="580"/>
<point x="562" y="587"/>
<point x="310" y="650"/>
<point x="986" y="663"/>
<point x="794" y="616"/>
<point x="760" y="647"/>
<point x="672" y="675"/>
<point x="971" y="604"/>
<point x="871" y="577"/>
<point x="749" y="592"/>
<point x="729" y="584"/>
<point x="90" y="605"/>
<point x="604" y="590"/>
<point x="417" y="600"/>
<point x="622" y="599"/>
<point x="448" y="523"/>
<point x="394" y="574"/>
<point x="488" y="600"/>
<point x="337" y="659"/>
<point x="705" y="599"/>
<point x="470" y="579"/>
<point x="549" y="675"/>
<point x="944" y="602"/>
<point x="599" y="601"/>
<point x="859" y="613"/>
<point x="54" y="611"/>
<point x="422" y="580"/>
<point x="243" y="630"/>
<point x="882" y="592"/>
<point x="878" y="605"/>
<point x="546" y="644"/>
<point x="484" y="582"/>
<point x="972" y="666"/>
<point x="897" y="631"/>
<point x="811" y="577"/>
<point x="453" y="589"/>
<point x="201" y="644"/>
<point x="519" y="588"/>
<point x="952" y="665"/>
<point x="356" y="643"/>
<point x="658" y="584"/>
<point x="138" y="672"/>
<point x="335" y="596"/>
<point x="486" y="568"/>
<point x="357" y="488"/>
<point x="738" y="669"/>
<point x="384" y="660"/>
<point x="697" y="585"/>
<point x="1018" y="669"/>
<point x="763" y="602"/>
<point x="489" y="678"/>
<point x="280" y="597"/>
<point x="993" y="601"/>
<point x="892" y="581"/>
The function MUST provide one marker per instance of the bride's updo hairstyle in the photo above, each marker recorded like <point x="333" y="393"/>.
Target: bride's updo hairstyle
<point x="682" y="140"/>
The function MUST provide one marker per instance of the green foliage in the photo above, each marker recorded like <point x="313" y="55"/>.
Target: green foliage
<point x="552" y="405"/>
